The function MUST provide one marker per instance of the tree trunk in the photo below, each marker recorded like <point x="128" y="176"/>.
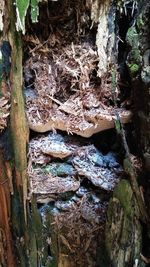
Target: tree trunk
<point x="17" y="135"/>
<point x="41" y="222"/>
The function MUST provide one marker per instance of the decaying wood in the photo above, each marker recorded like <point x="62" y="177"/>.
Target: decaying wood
<point x="4" y="83"/>
<point x="17" y="116"/>
<point x="16" y="181"/>
<point x="63" y="87"/>
<point x="63" y="93"/>
<point x="72" y="215"/>
<point x="97" y="122"/>
<point x="48" y="176"/>
<point x="4" y="112"/>
<point x="77" y="224"/>
<point x="123" y="231"/>
<point x="128" y="162"/>
<point x="7" y="257"/>
<point x="47" y="184"/>
<point x="130" y="169"/>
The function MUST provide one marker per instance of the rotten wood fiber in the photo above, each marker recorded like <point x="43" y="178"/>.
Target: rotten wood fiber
<point x="6" y="244"/>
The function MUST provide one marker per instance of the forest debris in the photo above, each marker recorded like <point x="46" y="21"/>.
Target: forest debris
<point x="56" y="149"/>
<point x="80" y="230"/>
<point x="65" y="242"/>
<point x="61" y="169"/>
<point x="83" y="160"/>
<point x="88" y="243"/>
<point x="99" y="176"/>
<point x="41" y="144"/>
<point x="67" y="93"/>
<point x="85" y="125"/>
<point x="41" y="183"/>
<point x="93" y="211"/>
<point x="4" y="112"/>
<point x="60" y="68"/>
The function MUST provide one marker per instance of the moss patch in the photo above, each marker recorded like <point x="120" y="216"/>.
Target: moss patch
<point x="134" y="68"/>
<point x="124" y="194"/>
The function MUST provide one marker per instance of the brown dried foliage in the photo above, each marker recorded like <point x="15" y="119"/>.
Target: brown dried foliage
<point x="4" y="112"/>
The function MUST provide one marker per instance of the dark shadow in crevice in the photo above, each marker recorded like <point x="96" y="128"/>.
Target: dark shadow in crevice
<point x="124" y="20"/>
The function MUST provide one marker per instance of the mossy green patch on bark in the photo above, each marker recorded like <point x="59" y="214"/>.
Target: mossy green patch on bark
<point x="132" y="37"/>
<point x="134" y="68"/>
<point x="34" y="10"/>
<point x="43" y="248"/>
<point x="140" y="21"/>
<point x="123" y="229"/>
<point x="124" y="194"/>
<point x="134" y="59"/>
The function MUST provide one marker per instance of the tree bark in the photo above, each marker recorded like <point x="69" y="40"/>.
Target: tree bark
<point x="18" y="136"/>
<point x="7" y="256"/>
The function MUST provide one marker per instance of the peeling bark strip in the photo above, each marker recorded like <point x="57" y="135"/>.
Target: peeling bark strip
<point x="6" y="246"/>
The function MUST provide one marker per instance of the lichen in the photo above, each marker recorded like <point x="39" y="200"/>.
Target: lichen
<point x="145" y="74"/>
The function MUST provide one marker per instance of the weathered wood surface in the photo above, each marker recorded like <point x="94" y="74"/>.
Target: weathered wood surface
<point x="18" y="137"/>
<point x="102" y="120"/>
<point x="123" y="230"/>
<point x="46" y="245"/>
<point x="7" y="256"/>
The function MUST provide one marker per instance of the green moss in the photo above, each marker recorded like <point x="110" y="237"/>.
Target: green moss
<point x="134" y="68"/>
<point x="135" y="56"/>
<point x="124" y="194"/>
<point x="21" y="11"/>
<point x="134" y="59"/>
<point x="34" y="10"/>
<point x="22" y="7"/>
<point x="132" y="37"/>
<point x="123" y="230"/>
<point x="140" y="21"/>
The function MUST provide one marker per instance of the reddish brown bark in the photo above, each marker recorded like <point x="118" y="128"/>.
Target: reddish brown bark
<point x="6" y="243"/>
